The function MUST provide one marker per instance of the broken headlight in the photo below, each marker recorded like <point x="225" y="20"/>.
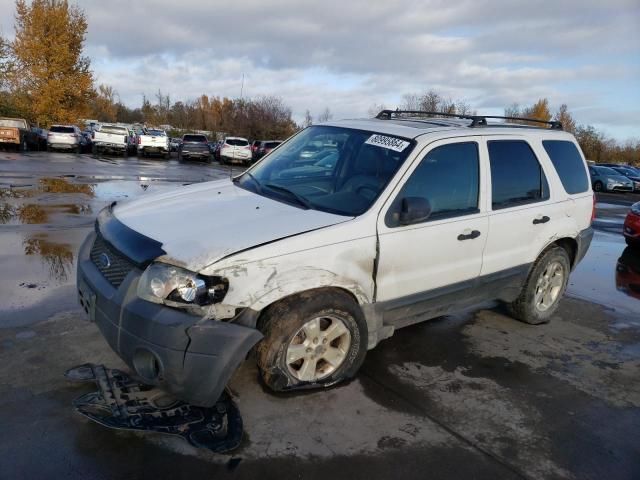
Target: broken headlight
<point x="177" y="287"/>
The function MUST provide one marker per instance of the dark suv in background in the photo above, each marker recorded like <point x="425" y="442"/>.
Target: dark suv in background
<point x="194" y="146"/>
<point x="264" y="147"/>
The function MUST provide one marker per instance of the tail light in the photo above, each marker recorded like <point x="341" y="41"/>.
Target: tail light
<point x="593" y="210"/>
<point x="247" y="147"/>
<point x="139" y="140"/>
<point x="125" y="139"/>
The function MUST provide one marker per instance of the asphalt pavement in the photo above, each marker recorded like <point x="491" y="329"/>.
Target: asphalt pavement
<point x="474" y="395"/>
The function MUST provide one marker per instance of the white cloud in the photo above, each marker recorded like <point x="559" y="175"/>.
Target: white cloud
<point x="348" y="55"/>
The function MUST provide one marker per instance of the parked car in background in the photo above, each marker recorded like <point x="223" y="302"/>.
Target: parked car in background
<point x="174" y="144"/>
<point x="15" y="133"/>
<point x="606" y="179"/>
<point x="632" y="174"/>
<point x="88" y="142"/>
<point x="194" y="146"/>
<point x="254" y="148"/>
<point x="631" y="227"/>
<point x="265" y="147"/>
<point x="111" y="138"/>
<point x="64" y="137"/>
<point x="41" y="136"/>
<point x="152" y="140"/>
<point x="235" y="150"/>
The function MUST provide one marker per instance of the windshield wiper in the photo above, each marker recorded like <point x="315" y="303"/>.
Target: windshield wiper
<point x="300" y="199"/>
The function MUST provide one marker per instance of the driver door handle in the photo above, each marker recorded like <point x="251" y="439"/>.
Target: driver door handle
<point x="469" y="235"/>
<point x="541" y="219"/>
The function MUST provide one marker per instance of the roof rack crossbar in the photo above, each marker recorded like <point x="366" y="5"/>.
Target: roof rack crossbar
<point x="476" y="120"/>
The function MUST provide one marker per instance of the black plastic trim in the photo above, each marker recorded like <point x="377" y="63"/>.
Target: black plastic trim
<point x="139" y="248"/>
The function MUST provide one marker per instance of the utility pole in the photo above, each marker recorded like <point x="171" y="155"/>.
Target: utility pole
<point x="242" y="86"/>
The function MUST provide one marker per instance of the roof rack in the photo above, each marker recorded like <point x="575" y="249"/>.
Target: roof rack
<point x="476" y="120"/>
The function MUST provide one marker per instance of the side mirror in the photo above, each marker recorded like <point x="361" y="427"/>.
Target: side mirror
<point x="414" y="210"/>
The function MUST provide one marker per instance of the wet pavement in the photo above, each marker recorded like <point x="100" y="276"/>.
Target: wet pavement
<point x="472" y="395"/>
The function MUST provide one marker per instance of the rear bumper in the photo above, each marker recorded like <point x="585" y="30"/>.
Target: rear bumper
<point x="111" y="146"/>
<point x="190" y="357"/>
<point x="584" y="241"/>
<point x="13" y="141"/>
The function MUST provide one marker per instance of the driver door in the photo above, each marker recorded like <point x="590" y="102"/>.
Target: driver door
<point x="426" y="266"/>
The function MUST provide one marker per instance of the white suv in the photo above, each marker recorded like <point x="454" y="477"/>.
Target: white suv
<point x="235" y="150"/>
<point x="316" y="259"/>
<point x="66" y="137"/>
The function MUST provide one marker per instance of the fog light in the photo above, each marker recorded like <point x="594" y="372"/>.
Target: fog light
<point x="146" y="364"/>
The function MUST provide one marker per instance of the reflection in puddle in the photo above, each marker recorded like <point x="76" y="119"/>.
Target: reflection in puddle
<point x="595" y="278"/>
<point x="628" y="272"/>
<point x="58" y="257"/>
<point x="31" y="213"/>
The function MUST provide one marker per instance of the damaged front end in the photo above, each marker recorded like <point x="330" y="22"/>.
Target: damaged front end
<point x="190" y="356"/>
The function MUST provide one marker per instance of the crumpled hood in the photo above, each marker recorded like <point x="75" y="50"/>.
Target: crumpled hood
<point x="202" y="223"/>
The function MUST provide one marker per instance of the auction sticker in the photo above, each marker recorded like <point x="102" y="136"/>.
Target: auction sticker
<point x="391" y="143"/>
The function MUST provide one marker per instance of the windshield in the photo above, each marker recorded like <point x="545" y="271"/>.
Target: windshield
<point x="13" y="122"/>
<point x="114" y="129"/>
<point x="195" y="138"/>
<point x="606" y="171"/>
<point x="333" y="169"/>
<point x="61" y="129"/>
<point x="156" y="133"/>
<point x="237" y="142"/>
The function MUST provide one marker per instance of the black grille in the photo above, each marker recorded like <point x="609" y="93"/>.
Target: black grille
<point x="113" y="265"/>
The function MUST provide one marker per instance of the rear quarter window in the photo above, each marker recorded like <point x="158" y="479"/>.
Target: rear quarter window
<point x="568" y="163"/>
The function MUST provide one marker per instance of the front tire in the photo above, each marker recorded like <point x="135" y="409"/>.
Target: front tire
<point x="598" y="186"/>
<point x="311" y="340"/>
<point x="547" y="282"/>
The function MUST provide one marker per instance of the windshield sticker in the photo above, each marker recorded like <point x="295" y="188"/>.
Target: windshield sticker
<point x="391" y="143"/>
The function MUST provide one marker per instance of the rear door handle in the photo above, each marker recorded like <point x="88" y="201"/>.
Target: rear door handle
<point x="543" y="219"/>
<point x="469" y="236"/>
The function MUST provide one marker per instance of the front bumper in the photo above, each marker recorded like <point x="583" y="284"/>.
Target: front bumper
<point x="189" y="357"/>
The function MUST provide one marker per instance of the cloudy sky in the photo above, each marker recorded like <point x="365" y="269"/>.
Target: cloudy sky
<point x="350" y="55"/>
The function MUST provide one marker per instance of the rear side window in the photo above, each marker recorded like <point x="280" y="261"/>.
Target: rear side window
<point x="448" y="176"/>
<point x="516" y="175"/>
<point x="194" y="138"/>
<point x="60" y="129"/>
<point x="568" y="163"/>
<point x="271" y="144"/>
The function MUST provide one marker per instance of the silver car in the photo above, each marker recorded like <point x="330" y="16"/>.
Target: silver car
<point x="606" y="179"/>
<point x="67" y="137"/>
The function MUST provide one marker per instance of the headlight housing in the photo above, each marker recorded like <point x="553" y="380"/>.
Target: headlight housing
<point x="177" y="287"/>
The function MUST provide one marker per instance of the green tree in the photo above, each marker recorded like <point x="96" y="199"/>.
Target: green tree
<point x="52" y="80"/>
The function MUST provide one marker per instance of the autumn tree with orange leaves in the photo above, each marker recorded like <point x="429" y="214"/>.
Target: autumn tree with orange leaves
<point x="50" y="79"/>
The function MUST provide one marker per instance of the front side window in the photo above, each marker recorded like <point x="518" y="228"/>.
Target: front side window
<point x="332" y="169"/>
<point x="568" y="163"/>
<point x="448" y="178"/>
<point x="516" y="175"/>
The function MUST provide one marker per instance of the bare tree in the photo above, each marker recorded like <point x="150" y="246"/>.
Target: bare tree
<point x="565" y="118"/>
<point x="375" y="109"/>
<point x="325" y="116"/>
<point x="308" y="119"/>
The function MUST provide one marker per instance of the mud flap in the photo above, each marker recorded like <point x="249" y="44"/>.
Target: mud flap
<point x="123" y="403"/>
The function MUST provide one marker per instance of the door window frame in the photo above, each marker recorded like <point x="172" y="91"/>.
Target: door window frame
<point x="415" y="163"/>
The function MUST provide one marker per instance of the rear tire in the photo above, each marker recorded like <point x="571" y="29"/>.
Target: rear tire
<point x="545" y="286"/>
<point x="598" y="186"/>
<point x="312" y="340"/>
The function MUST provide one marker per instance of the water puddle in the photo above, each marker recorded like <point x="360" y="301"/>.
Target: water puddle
<point x="609" y="275"/>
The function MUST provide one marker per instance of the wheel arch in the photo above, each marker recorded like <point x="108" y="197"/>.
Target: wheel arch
<point x="260" y="321"/>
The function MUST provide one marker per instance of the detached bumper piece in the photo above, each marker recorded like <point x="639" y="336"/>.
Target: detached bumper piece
<point x="125" y="404"/>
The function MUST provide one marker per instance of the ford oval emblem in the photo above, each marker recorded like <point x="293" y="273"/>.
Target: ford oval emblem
<point x="105" y="261"/>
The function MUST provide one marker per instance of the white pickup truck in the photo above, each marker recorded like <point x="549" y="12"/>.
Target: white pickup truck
<point x="113" y="138"/>
<point x="153" y="141"/>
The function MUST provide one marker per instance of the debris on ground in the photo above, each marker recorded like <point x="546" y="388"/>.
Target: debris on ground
<point x="126" y="404"/>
